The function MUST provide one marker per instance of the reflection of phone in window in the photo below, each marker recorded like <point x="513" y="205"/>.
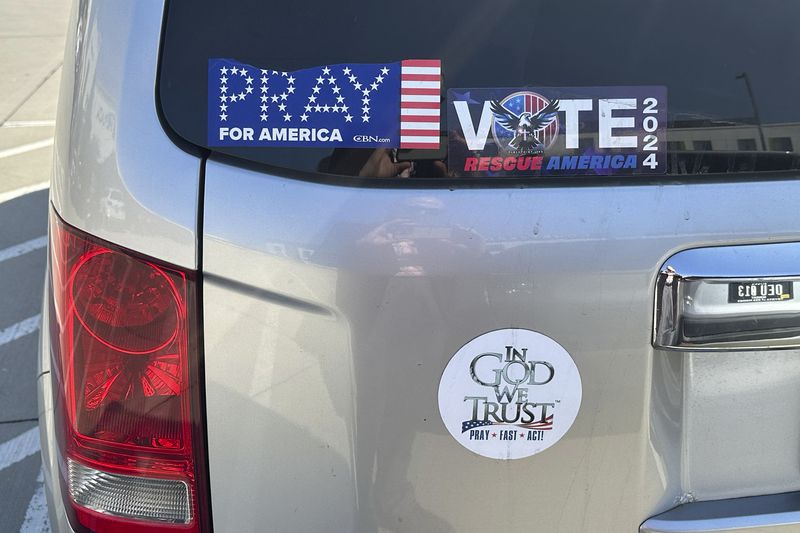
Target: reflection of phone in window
<point x="418" y="154"/>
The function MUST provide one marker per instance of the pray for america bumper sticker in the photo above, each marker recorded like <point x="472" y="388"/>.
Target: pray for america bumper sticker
<point x="354" y="105"/>
<point x="554" y="131"/>
<point x="510" y="394"/>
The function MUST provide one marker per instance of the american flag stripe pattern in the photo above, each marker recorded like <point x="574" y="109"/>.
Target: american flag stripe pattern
<point x="543" y="425"/>
<point x="420" y="103"/>
<point x="534" y="105"/>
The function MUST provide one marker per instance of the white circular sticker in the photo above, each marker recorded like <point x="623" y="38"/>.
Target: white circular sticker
<point x="509" y="394"/>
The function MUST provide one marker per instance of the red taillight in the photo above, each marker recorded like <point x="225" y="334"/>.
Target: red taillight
<point x="125" y="374"/>
<point x="131" y="306"/>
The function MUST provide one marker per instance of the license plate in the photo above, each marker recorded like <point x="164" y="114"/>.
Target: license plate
<point x="760" y="291"/>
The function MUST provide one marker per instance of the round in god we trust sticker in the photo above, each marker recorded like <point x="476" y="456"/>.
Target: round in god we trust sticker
<point x="510" y="394"/>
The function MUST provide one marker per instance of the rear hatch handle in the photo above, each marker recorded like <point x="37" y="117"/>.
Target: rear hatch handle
<point x="729" y="298"/>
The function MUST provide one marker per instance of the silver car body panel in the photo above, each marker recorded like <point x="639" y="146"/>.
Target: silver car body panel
<point x="331" y="311"/>
<point x="116" y="173"/>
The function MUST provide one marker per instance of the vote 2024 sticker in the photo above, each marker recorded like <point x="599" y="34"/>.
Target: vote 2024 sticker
<point x="510" y="394"/>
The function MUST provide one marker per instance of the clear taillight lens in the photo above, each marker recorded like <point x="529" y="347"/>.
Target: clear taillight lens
<point x="125" y="373"/>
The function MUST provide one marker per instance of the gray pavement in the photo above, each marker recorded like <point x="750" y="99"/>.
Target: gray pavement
<point x="31" y="52"/>
<point x="22" y="221"/>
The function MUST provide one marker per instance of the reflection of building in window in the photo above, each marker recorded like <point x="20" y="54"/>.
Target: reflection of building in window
<point x="705" y="135"/>
<point x="673" y="146"/>
<point x="736" y="135"/>
<point x="780" y="144"/>
<point x="702" y="145"/>
<point x="746" y="145"/>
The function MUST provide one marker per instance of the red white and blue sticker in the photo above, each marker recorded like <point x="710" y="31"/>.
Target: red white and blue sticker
<point x="557" y="131"/>
<point x="353" y="105"/>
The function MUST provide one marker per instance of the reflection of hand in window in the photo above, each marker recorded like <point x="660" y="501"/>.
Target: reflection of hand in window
<point x="380" y="165"/>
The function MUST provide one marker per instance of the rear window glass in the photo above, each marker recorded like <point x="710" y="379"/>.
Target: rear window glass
<point x="728" y="68"/>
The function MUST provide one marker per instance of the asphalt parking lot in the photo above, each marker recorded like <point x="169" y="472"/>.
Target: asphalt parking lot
<point x="31" y="53"/>
<point x="22" y="268"/>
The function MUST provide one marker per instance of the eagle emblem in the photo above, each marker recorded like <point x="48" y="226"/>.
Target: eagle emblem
<point x="525" y="126"/>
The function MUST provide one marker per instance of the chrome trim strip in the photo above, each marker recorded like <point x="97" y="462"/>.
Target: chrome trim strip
<point x="779" y="513"/>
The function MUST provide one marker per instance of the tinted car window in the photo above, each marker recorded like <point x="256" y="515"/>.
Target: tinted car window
<point x="729" y="66"/>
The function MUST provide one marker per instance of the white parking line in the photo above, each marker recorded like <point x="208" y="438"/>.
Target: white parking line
<point x="18" y="448"/>
<point x="26" y="148"/>
<point x="13" y="451"/>
<point x="22" y="249"/>
<point x="22" y="191"/>
<point x="28" y="123"/>
<point x="14" y="332"/>
<point x="36" y="520"/>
